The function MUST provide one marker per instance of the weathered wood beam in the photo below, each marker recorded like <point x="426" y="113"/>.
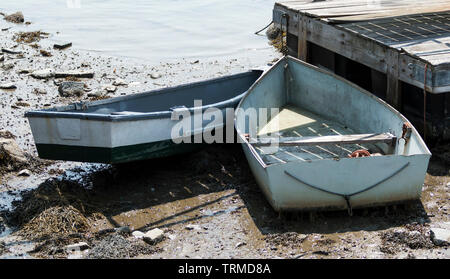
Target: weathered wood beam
<point x="324" y="140"/>
<point x="302" y="52"/>
<point x="393" y="90"/>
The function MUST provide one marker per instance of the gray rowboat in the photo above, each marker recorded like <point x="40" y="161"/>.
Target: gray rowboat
<point x="323" y="121"/>
<point x="133" y="127"/>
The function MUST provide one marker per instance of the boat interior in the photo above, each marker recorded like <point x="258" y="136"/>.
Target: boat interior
<point x="225" y="90"/>
<point x="301" y="135"/>
<point x="320" y="116"/>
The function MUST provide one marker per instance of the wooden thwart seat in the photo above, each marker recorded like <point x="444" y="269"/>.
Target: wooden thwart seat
<point x="326" y="140"/>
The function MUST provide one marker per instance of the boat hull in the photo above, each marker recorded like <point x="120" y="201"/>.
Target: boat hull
<point x="85" y="140"/>
<point x="295" y="181"/>
<point x="285" y="189"/>
<point x="116" y="155"/>
<point x="147" y="125"/>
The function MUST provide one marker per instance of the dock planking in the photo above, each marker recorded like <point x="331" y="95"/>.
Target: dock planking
<point x="407" y="41"/>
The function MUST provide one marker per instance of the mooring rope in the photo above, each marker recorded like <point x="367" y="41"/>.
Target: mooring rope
<point x="257" y="32"/>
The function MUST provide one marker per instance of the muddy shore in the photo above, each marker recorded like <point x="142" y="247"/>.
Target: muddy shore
<point x="207" y="204"/>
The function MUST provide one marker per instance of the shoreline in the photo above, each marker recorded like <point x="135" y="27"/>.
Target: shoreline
<point x="209" y="206"/>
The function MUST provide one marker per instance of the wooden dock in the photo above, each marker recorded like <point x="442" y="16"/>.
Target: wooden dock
<point x="397" y="49"/>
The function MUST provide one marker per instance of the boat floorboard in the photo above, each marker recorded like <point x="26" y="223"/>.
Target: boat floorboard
<point x="292" y="121"/>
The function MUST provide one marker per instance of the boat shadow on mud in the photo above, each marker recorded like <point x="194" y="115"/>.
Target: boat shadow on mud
<point x="165" y="192"/>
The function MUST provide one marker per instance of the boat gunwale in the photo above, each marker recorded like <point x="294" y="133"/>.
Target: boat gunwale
<point x="286" y="59"/>
<point x="61" y="111"/>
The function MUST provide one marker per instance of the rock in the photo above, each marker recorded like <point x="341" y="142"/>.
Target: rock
<point x="11" y="154"/>
<point x="119" y="82"/>
<point x="124" y="230"/>
<point x="96" y="94"/>
<point x="75" y="74"/>
<point x="24" y="71"/>
<point x="43" y="74"/>
<point x="5" y="134"/>
<point x="57" y="82"/>
<point x="62" y="46"/>
<point x="441" y="236"/>
<point x="192" y="227"/>
<point x="172" y="236"/>
<point x="195" y="62"/>
<point x="154" y="236"/>
<point x="138" y="234"/>
<point x="240" y="244"/>
<point x="135" y="83"/>
<point x="8" y="66"/>
<point x="8" y="86"/>
<point x="15" y="18"/>
<point x="71" y="88"/>
<point x="80" y="246"/>
<point x="155" y="75"/>
<point x="110" y="88"/>
<point x="24" y="172"/>
<point x="2" y="58"/>
<point x="45" y="53"/>
<point x="22" y="104"/>
<point x="10" y="51"/>
<point x="39" y="91"/>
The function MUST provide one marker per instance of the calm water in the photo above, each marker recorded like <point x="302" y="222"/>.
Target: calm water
<point x="151" y="29"/>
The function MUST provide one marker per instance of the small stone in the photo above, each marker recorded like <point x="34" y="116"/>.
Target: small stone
<point x="191" y="227"/>
<point x="22" y="104"/>
<point x="109" y="88"/>
<point x="440" y="237"/>
<point x="75" y="74"/>
<point x="10" y="51"/>
<point x="123" y="229"/>
<point x="172" y="236"/>
<point x="8" y="66"/>
<point x="77" y="247"/>
<point x="153" y="236"/>
<point x="95" y="94"/>
<point x="24" y="172"/>
<point x="8" y="86"/>
<point x="240" y="244"/>
<point x="155" y="75"/>
<point x="24" y="71"/>
<point x="15" y="18"/>
<point x="71" y="88"/>
<point x="195" y="62"/>
<point x="2" y="58"/>
<point x="43" y="74"/>
<point x="45" y="53"/>
<point x="11" y="152"/>
<point x="135" y="83"/>
<point x="138" y="234"/>
<point x="39" y="91"/>
<point x="62" y="46"/>
<point x="119" y="82"/>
